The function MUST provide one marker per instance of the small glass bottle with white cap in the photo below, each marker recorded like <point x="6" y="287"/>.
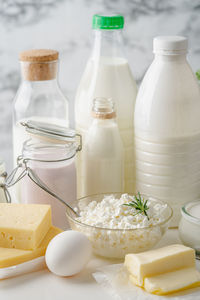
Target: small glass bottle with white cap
<point x="167" y="127"/>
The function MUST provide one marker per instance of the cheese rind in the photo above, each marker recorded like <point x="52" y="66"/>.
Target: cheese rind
<point x="10" y="257"/>
<point x="159" y="261"/>
<point x="172" y="282"/>
<point x="23" y="226"/>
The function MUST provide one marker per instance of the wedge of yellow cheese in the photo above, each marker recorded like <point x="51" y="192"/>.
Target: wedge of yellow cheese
<point x="158" y="261"/>
<point x="172" y="282"/>
<point x="10" y="257"/>
<point x="23" y="226"/>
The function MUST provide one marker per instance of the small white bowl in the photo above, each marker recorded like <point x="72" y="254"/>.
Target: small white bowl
<point x="189" y="227"/>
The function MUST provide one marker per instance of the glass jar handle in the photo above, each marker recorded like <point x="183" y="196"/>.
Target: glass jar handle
<point x="12" y="179"/>
<point x="79" y="148"/>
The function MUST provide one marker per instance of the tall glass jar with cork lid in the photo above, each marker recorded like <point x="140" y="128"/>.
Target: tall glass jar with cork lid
<point x="39" y="97"/>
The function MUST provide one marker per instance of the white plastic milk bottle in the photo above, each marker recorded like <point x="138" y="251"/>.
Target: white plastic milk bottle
<point x="108" y="75"/>
<point x="167" y="127"/>
<point x="103" y="154"/>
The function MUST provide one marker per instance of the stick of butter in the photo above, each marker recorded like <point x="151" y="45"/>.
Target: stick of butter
<point x="10" y="257"/>
<point x="158" y="261"/>
<point x="172" y="282"/>
<point x="23" y="226"/>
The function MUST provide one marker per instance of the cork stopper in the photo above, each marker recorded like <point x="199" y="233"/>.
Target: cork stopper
<point x="38" y="55"/>
<point x="39" y="64"/>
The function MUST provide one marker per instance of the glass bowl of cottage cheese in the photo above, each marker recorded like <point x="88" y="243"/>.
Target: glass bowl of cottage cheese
<point x="115" y="227"/>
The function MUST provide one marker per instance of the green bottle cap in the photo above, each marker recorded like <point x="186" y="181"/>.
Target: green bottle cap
<point x="108" y="22"/>
<point x="198" y="74"/>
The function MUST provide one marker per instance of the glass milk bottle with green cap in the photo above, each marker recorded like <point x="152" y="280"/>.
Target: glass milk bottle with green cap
<point x="167" y="127"/>
<point x="108" y="75"/>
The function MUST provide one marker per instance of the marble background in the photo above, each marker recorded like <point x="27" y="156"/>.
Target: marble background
<point x="66" y="25"/>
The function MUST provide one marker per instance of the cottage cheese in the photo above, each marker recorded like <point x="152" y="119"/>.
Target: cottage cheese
<point x="116" y="230"/>
<point x="112" y="213"/>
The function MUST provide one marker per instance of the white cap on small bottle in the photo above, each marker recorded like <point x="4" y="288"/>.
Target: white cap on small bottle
<point x="170" y="45"/>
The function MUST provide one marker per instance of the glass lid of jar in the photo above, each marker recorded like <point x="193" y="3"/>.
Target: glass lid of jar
<point x="52" y="131"/>
<point x="191" y="211"/>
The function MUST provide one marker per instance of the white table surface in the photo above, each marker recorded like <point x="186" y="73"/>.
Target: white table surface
<point x="43" y="285"/>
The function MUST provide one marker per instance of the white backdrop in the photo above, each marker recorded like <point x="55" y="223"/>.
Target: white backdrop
<point x="66" y="26"/>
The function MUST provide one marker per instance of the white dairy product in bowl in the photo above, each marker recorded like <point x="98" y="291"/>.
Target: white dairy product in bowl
<point x="116" y="229"/>
<point x="189" y="226"/>
<point x="167" y="128"/>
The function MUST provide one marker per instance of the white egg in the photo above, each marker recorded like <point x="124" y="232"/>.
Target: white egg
<point x="68" y="253"/>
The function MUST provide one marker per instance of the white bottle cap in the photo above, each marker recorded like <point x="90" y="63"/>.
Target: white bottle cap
<point x="170" y="45"/>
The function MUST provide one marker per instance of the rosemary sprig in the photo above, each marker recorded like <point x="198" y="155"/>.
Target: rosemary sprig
<point x="139" y="204"/>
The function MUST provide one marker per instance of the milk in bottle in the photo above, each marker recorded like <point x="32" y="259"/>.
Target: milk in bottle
<point x="167" y="127"/>
<point x="108" y="75"/>
<point x="103" y="154"/>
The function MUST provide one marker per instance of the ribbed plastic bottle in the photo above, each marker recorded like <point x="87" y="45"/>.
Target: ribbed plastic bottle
<point x="167" y="127"/>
